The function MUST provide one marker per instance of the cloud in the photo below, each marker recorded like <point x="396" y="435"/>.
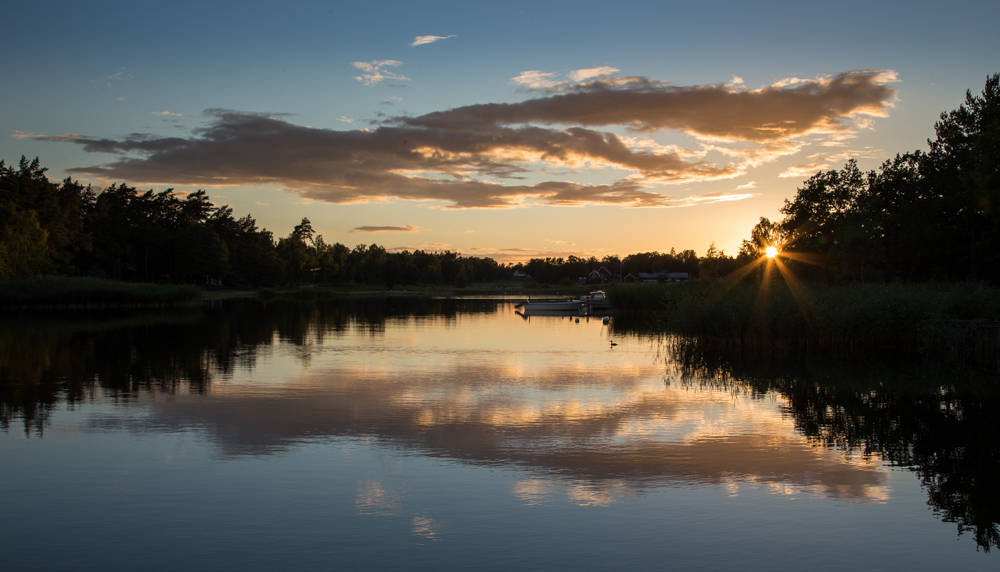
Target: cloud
<point x="168" y="113"/>
<point x="22" y="135"/>
<point x="405" y="162"/>
<point x="391" y="100"/>
<point x="712" y="112"/>
<point x="563" y="242"/>
<point x="120" y="75"/>
<point x="591" y="73"/>
<point x="407" y="228"/>
<point x="484" y="155"/>
<point x="750" y="185"/>
<point x="421" y="40"/>
<point x="713" y="198"/>
<point x="546" y="81"/>
<point x="376" y="72"/>
<point x="535" y="79"/>
<point x="821" y="161"/>
<point x="345" y="119"/>
<point x="866" y="153"/>
<point x="260" y="204"/>
<point x="70" y="137"/>
<point x="426" y="247"/>
<point x="804" y="170"/>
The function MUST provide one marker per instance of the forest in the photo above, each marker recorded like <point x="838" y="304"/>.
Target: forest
<point x="921" y="216"/>
<point x="123" y="234"/>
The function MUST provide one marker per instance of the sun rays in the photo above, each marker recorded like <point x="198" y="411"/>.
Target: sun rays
<point x="774" y="257"/>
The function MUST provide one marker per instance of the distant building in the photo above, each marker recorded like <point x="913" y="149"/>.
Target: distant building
<point x="518" y="275"/>
<point x="601" y="273"/>
<point x="650" y="277"/>
<point x="629" y="279"/>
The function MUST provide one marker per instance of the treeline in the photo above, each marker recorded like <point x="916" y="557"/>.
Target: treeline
<point x="922" y="216"/>
<point x="124" y="234"/>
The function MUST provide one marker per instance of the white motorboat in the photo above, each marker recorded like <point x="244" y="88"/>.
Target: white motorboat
<point x="596" y="300"/>
<point x="566" y="305"/>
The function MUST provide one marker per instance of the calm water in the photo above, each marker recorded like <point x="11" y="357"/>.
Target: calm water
<point x="457" y="434"/>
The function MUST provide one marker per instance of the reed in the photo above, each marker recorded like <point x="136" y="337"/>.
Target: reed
<point x="956" y="317"/>
<point x="67" y="292"/>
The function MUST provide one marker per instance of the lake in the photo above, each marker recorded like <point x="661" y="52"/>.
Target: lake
<point x="457" y="434"/>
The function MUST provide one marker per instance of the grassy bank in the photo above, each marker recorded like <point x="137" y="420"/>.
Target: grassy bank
<point x="92" y="292"/>
<point x="957" y="317"/>
<point x="327" y="292"/>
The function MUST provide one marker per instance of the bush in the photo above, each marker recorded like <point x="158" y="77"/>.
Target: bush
<point x="65" y="291"/>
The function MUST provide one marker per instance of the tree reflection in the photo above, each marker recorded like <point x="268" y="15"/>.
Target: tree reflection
<point x="937" y="421"/>
<point x="48" y="358"/>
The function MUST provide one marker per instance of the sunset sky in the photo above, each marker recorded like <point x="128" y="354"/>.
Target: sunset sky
<point x="507" y="129"/>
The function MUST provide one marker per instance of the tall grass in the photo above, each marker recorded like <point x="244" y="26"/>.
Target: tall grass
<point x="958" y="317"/>
<point x="66" y="292"/>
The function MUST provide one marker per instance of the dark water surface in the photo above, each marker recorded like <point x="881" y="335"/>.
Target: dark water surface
<point x="455" y="434"/>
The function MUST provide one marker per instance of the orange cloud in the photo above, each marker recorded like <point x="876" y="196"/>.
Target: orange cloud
<point x="476" y="156"/>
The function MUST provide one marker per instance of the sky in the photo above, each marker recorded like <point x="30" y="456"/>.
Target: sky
<point x="511" y="130"/>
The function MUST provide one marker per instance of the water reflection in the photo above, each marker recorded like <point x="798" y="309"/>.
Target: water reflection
<point x="468" y="380"/>
<point x="47" y="357"/>
<point x="935" y="420"/>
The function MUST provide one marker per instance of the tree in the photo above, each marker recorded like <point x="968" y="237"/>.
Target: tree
<point x="23" y="244"/>
<point x="921" y="216"/>
<point x="765" y="233"/>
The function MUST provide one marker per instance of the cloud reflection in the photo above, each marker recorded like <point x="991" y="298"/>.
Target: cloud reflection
<point x="594" y="436"/>
<point x="374" y="499"/>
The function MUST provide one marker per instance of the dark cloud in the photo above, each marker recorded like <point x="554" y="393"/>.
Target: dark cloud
<point x="783" y="110"/>
<point x="478" y="156"/>
<point x="407" y="228"/>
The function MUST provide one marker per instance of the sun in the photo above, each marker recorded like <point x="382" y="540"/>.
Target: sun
<point x="771" y="251"/>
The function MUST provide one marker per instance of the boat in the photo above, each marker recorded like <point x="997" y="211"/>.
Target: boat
<point x="596" y="300"/>
<point x="528" y="313"/>
<point x="566" y="305"/>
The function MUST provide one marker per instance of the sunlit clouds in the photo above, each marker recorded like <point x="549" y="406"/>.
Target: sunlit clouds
<point x="591" y="73"/>
<point x="375" y="72"/>
<point x="591" y="143"/>
<point x="421" y="40"/>
<point x="821" y="161"/>
<point x="551" y="81"/>
<point x="802" y="171"/>
<point x="23" y="135"/>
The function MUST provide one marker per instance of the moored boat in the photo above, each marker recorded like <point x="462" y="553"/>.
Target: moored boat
<point x="551" y="306"/>
<point x="596" y="300"/>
